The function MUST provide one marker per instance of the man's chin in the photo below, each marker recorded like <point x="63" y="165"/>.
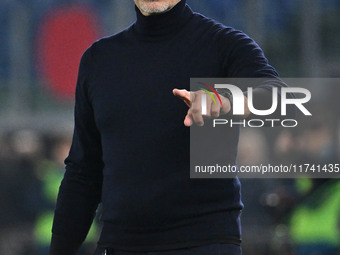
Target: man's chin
<point x="152" y="8"/>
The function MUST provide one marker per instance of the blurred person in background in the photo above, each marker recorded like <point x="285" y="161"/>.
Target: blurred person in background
<point x="315" y="219"/>
<point x="130" y="149"/>
<point x="50" y="172"/>
<point x="310" y="208"/>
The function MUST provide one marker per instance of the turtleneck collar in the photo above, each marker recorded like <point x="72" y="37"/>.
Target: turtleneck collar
<point x="165" y="24"/>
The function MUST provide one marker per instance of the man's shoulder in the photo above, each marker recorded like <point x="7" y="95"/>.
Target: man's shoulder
<point x="214" y="28"/>
<point x="212" y="25"/>
<point x="111" y="40"/>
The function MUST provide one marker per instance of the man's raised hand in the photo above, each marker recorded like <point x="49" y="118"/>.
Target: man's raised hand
<point x="194" y="101"/>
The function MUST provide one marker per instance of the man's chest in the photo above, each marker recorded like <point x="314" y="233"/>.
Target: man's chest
<point x="135" y="84"/>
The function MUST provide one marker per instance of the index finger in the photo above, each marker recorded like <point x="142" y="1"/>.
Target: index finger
<point x="183" y="94"/>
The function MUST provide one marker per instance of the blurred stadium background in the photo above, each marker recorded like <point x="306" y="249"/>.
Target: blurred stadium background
<point x="41" y="42"/>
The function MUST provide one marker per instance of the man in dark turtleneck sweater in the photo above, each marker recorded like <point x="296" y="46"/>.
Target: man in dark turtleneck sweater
<point x="130" y="149"/>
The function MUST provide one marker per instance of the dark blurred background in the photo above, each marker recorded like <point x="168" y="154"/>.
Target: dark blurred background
<point x="41" y="42"/>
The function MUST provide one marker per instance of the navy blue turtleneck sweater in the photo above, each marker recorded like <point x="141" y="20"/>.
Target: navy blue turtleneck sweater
<point x="130" y="149"/>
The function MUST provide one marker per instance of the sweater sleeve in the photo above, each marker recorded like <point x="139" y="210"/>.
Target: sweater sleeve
<point x="245" y="59"/>
<point x="80" y="190"/>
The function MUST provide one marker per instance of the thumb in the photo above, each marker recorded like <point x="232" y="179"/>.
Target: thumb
<point x="183" y="94"/>
<point x="187" y="120"/>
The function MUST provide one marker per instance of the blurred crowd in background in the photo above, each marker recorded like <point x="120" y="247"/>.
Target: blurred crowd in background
<point x="41" y="42"/>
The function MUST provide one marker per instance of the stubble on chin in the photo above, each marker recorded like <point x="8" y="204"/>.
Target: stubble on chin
<point x="154" y="7"/>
